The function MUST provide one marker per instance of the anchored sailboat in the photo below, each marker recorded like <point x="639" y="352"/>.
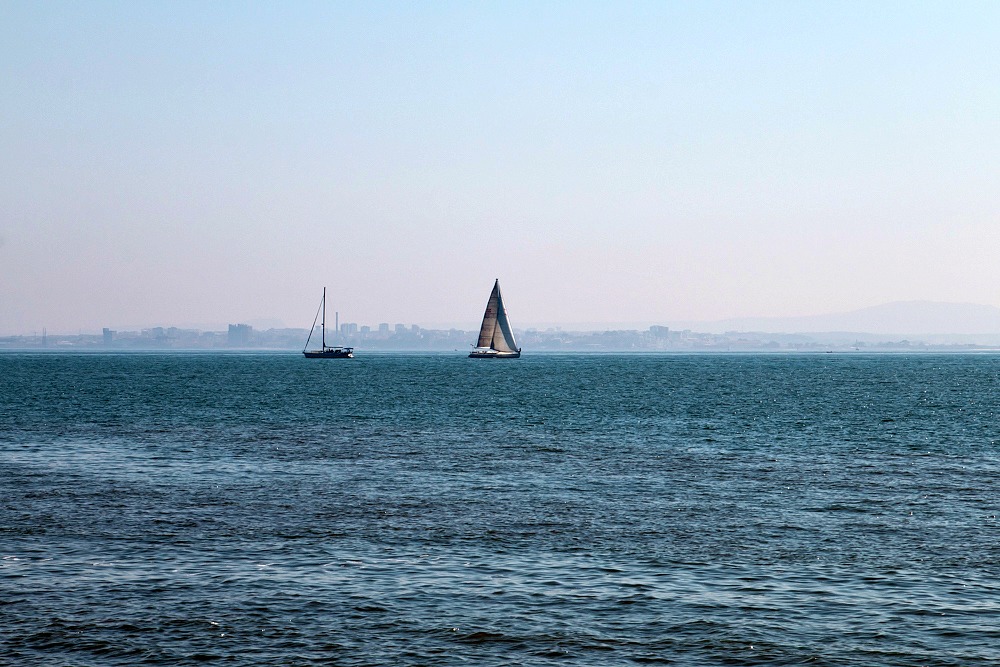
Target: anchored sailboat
<point x="325" y="352"/>
<point x="496" y="340"/>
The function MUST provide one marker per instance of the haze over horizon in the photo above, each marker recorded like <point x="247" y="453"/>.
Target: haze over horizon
<point x="642" y="162"/>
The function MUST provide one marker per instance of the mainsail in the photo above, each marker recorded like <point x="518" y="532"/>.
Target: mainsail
<point x="495" y="332"/>
<point x="489" y="327"/>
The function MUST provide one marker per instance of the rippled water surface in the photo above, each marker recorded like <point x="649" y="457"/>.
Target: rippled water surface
<point x="557" y="509"/>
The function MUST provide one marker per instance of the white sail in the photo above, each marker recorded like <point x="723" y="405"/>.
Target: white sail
<point x="503" y="337"/>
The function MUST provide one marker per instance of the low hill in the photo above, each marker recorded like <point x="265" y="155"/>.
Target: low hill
<point x="913" y="318"/>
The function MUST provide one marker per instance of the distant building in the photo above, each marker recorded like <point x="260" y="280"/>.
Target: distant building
<point x="109" y="336"/>
<point x="240" y="335"/>
<point x="659" y="332"/>
<point x="383" y="329"/>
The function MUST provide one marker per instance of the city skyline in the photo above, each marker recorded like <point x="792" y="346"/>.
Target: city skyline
<point x="917" y="318"/>
<point x="610" y="163"/>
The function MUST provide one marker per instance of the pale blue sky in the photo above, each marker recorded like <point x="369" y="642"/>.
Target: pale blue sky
<point x="202" y="163"/>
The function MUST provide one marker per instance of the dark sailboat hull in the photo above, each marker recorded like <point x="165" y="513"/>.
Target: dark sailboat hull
<point x="330" y="353"/>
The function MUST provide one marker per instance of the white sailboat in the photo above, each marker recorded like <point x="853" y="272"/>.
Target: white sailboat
<point x="496" y="340"/>
<point x="325" y="351"/>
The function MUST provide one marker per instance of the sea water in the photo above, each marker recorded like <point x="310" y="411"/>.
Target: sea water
<point x="251" y="509"/>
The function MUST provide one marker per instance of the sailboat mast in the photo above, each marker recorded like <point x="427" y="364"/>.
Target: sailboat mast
<point x="324" y="318"/>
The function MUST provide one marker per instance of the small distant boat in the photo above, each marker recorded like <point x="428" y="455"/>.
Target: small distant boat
<point x="496" y="340"/>
<point x="325" y="352"/>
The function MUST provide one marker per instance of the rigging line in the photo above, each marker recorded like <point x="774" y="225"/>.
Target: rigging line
<point x="313" y="327"/>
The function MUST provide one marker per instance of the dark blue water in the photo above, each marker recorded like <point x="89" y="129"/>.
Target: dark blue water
<point x="558" y="509"/>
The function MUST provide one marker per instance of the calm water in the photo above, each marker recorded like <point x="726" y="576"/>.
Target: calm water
<point x="555" y="510"/>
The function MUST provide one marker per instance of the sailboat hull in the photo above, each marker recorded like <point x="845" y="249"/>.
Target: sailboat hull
<point x="330" y="353"/>
<point x="493" y="354"/>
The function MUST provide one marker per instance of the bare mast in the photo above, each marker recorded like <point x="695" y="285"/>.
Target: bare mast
<point x="323" y="324"/>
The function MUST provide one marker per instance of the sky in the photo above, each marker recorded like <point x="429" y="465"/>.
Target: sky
<point x="195" y="164"/>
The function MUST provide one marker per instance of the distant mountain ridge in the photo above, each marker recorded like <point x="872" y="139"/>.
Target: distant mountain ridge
<point x="896" y="318"/>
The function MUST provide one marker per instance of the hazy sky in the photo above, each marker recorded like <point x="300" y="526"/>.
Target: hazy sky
<point x="193" y="164"/>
